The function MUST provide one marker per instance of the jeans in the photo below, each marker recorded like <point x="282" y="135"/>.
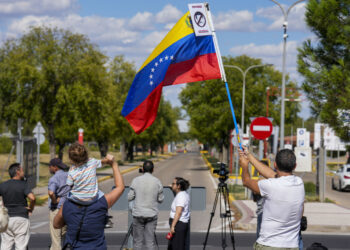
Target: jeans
<point x="258" y="224"/>
<point x="144" y="232"/>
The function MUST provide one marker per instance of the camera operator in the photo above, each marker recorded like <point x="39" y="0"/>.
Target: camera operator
<point x="146" y="191"/>
<point x="284" y="198"/>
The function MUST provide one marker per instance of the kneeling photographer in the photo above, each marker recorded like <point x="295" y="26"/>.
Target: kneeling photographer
<point x="146" y="191"/>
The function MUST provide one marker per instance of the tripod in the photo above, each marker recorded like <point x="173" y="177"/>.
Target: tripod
<point x="128" y="235"/>
<point x="222" y="192"/>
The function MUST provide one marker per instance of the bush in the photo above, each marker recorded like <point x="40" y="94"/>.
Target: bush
<point x="310" y="188"/>
<point x="45" y="147"/>
<point x="5" y="145"/>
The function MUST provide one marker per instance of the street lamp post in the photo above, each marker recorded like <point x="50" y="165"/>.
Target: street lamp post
<point x="244" y="74"/>
<point x="285" y="35"/>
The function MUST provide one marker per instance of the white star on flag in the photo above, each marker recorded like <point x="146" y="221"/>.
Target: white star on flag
<point x="171" y="57"/>
<point x="161" y="60"/>
<point x="151" y="83"/>
<point x="156" y="64"/>
<point x="150" y="76"/>
<point x="166" y="57"/>
<point x="152" y="69"/>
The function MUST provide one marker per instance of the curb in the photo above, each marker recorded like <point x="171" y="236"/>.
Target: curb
<point x="230" y="196"/>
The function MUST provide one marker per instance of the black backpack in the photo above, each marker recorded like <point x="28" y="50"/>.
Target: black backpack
<point x="317" y="246"/>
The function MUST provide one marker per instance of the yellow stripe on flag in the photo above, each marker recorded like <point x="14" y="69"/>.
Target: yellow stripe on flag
<point x="181" y="29"/>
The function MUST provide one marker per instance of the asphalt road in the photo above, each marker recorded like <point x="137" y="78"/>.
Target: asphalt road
<point x="189" y="166"/>
<point x="243" y="241"/>
<point x="341" y="198"/>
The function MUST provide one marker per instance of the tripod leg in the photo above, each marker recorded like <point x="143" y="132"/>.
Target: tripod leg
<point x="211" y="218"/>
<point x="223" y="219"/>
<point x="155" y="239"/>
<point x="227" y="203"/>
<point x="126" y="237"/>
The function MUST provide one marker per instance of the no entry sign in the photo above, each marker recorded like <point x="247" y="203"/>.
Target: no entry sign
<point x="261" y="128"/>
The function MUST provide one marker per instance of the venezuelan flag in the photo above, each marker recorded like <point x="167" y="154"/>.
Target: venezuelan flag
<point x="181" y="57"/>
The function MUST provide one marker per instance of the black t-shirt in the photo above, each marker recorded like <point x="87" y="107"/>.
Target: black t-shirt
<point x="14" y="195"/>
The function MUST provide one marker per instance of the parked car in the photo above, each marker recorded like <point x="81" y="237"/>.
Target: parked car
<point x="341" y="178"/>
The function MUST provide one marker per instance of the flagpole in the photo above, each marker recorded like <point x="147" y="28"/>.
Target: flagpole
<point x="222" y="70"/>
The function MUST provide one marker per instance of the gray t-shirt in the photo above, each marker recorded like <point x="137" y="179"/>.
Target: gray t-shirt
<point x="146" y="191"/>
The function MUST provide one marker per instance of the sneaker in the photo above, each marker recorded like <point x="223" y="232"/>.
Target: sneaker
<point x="109" y="224"/>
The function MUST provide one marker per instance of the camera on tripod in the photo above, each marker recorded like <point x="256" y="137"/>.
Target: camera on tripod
<point x="222" y="172"/>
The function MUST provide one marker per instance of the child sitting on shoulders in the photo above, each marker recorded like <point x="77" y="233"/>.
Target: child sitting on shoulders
<point x="82" y="175"/>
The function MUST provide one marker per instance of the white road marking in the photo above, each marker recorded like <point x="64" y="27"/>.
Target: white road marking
<point x="38" y="224"/>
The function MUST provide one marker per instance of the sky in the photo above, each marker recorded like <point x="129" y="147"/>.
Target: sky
<point x="133" y="28"/>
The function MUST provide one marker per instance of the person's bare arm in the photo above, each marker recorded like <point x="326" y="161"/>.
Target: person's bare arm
<point x="246" y="179"/>
<point x="176" y="218"/>
<point x="114" y="195"/>
<point x="53" y="197"/>
<point x="58" y="221"/>
<point x="263" y="170"/>
<point x="31" y="198"/>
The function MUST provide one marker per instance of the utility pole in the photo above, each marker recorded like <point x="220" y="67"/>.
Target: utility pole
<point x="19" y="142"/>
<point x="322" y="167"/>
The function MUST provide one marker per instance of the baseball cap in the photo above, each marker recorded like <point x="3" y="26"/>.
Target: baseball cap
<point x="57" y="162"/>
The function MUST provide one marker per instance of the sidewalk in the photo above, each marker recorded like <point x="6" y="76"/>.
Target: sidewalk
<point x="105" y="174"/>
<point x="321" y="217"/>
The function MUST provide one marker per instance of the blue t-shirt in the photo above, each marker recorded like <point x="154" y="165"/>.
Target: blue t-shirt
<point x="58" y="185"/>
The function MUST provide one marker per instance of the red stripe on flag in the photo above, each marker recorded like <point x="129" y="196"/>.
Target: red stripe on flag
<point x="145" y="114"/>
<point x="200" y="68"/>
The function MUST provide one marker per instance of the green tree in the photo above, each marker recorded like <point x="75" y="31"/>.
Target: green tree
<point x="121" y="75"/>
<point x="53" y="76"/>
<point x="325" y="62"/>
<point x="207" y="103"/>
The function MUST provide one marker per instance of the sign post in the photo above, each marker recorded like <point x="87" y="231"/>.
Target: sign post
<point x="39" y="132"/>
<point x="81" y="136"/>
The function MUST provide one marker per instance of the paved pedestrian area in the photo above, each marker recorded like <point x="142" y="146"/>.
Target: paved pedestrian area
<point x="321" y="217"/>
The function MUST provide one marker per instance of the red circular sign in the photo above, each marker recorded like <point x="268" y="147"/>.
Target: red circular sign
<point x="261" y="128"/>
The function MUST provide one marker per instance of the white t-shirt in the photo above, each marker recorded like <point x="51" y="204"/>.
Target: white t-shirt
<point x="284" y="199"/>
<point x="182" y="199"/>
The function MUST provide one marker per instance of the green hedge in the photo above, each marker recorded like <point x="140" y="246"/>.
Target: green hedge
<point x="5" y="145"/>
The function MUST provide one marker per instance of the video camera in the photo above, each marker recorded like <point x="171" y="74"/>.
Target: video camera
<point x="222" y="172"/>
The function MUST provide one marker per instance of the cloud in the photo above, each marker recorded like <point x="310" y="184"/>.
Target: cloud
<point x="265" y="50"/>
<point x="272" y="53"/>
<point x="171" y="93"/>
<point x="183" y="126"/>
<point x="142" y="21"/>
<point x="237" y="21"/>
<point x="168" y="14"/>
<point x="35" y="7"/>
<point x="99" y="29"/>
<point x="295" y="19"/>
